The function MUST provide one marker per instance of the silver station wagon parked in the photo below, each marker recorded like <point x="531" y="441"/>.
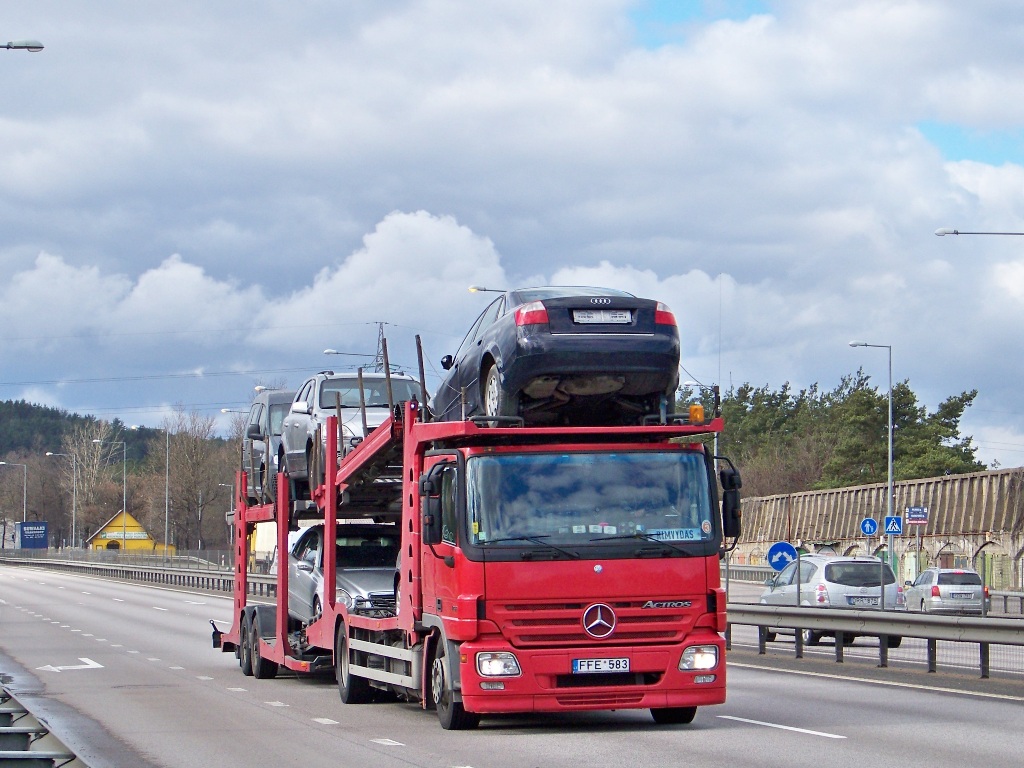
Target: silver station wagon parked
<point x="834" y="582"/>
<point x="947" y="590"/>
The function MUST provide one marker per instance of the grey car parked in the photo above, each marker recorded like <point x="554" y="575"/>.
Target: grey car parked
<point x="947" y="590"/>
<point x="834" y="582"/>
<point x="319" y="397"/>
<point x="365" y="566"/>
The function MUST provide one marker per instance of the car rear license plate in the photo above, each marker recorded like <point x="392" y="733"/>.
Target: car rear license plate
<point x="961" y="595"/>
<point x="863" y="601"/>
<point x="615" y="316"/>
<point x="590" y="666"/>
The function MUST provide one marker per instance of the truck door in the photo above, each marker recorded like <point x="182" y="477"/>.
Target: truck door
<point x="439" y="582"/>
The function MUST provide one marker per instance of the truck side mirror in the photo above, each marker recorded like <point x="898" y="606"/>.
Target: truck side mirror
<point x="447" y="362"/>
<point x="253" y="432"/>
<point x="731" y="514"/>
<point x="430" y="491"/>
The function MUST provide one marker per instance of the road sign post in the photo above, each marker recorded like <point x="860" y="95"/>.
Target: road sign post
<point x="917" y="517"/>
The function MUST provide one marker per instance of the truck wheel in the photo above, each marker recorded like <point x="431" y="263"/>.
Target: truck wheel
<point x="894" y="641"/>
<point x="496" y="401"/>
<point x="811" y="637"/>
<point x="451" y="713"/>
<point x="353" y="690"/>
<point x="674" y="715"/>
<point x="262" y="669"/>
<point x="244" y="648"/>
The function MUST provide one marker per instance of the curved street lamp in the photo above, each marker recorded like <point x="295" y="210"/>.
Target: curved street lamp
<point x="881" y="599"/>
<point x="32" y="46"/>
<point x="74" y="491"/>
<point x="951" y="231"/>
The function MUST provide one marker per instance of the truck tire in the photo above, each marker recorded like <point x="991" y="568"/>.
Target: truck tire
<point x="352" y="689"/>
<point x="244" y="647"/>
<point x="894" y="641"/>
<point x="674" y="715"/>
<point x="262" y="669"/>
<point x="496" y="401"/>
<point x="810" y="637"/>
<point x="451" y="713"/>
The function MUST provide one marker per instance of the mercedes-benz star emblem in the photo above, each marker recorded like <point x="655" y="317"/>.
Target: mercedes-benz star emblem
<point x="599" y="621"/>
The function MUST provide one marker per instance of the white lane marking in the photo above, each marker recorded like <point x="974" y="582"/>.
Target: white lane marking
<point x="153" y="659"/>
<point x="238" y="690"/>
<point x="325" y="721"/>
<point x="387" y="742"/>
<point x="781" y="727"/>
<point x="116" y="645"/>
<point x="159" y="609"/>
<point x="87" y="593"/>
<point x="195" y="602"/>
<point x="88" y="664"/>
<point x="276" y="704"/>
<point x="101" y="639"/>
<point x="132" y="651"/>
<point x="890" y="683"/>
<point x="76" y="630"/>
<point x="203" y="677"/>
<point x="87" y="634"/>
<point x="117" y="600"/>
<point x="177" y="667"/>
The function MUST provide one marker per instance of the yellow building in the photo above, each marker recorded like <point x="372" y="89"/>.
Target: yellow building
<point x="123" y="531"/>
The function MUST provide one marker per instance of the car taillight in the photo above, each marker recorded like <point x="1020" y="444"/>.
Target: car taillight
<point x="821" y="594"/>
<point x="984" y="591"/>
<point x="663" y="315"/>
<point x="935" y="592"/>
<point x="532" y="313"/>
<point x="901" y="599"/>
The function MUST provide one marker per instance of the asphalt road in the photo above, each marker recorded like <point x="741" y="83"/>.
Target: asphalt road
<point x="128" y="677"/>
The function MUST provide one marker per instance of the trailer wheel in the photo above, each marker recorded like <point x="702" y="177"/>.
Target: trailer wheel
<point x="352" y="689"/>
<point x="674" y="715"/>
<point x="451" y="713"/>
<point x="262" y="669"/>
<point x="244" y="648"/>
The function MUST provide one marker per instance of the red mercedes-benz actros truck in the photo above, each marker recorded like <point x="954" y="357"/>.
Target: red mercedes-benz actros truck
<point x="527" y="569"/>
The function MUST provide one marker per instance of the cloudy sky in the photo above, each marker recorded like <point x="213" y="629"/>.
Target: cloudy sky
<point x="199" y="197"/>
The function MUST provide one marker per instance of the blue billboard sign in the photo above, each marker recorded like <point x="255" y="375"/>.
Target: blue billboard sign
<point x="33" y="535"/>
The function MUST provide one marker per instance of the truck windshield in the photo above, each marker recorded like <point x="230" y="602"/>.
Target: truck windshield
<point x="584" y="499"/>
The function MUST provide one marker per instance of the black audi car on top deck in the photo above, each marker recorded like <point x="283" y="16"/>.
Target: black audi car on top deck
<point x="564" y="354"/>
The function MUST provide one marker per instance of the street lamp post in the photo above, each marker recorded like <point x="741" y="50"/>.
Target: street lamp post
<point x="24" y="489"/>
<point x="32" y="46"/>
<point x="74" y="493"/>
<point x="124" y="488"/>
<point x="889" y="487"/>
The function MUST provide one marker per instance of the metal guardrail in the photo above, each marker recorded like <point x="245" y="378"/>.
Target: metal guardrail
<point x="218" y="580"/>
<point x="1011" y="602"/>
<point x="26" y="741"/>
<point x="882" y="624"/>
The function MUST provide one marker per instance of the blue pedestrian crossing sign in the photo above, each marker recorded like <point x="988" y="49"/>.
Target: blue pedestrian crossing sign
<point x="781" y="554"/>
<point x="868" y="526"/>
<point x="894" y="525"/>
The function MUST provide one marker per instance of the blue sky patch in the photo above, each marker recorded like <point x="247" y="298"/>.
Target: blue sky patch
<point x="660" y="22"/>
<point x="958" y="143"/>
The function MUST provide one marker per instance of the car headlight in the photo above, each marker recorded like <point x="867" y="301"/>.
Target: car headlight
<point x="699" y="657"/>
<point x="497" y="664"/>
<point x="341" y="597"/>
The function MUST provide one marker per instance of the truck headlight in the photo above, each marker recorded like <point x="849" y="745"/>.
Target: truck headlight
<point x="497" y="664"/>
<point x="699" y="657"/>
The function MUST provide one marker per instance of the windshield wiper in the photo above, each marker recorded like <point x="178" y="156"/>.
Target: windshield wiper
<point x="646" y="537"/>
<point x="535" y="540"/>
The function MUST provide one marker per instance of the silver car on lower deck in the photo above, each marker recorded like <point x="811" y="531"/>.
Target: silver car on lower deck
<point x="365" y="554"/>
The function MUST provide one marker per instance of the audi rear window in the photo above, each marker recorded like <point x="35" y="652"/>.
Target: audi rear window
<point x="857" y="574"/>
<point x="960" y="579"/>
